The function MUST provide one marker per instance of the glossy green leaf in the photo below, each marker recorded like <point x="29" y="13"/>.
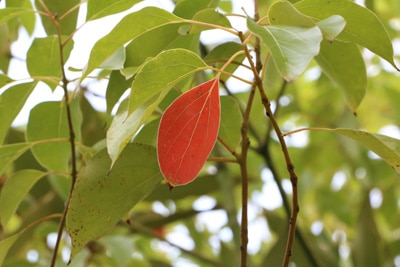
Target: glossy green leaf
<point x="101" y="8"/>
<point x="6" y="244"/>
<point x="101" y="197"/>
<point x="210" y="16"/>
<point x="58" y="9"/>
<point x="47" y="121"/>
<point x="139" y="22"/>
<point x="43" y="59"/>
<point x="11" y="103"/>
<point x="362" y="25"/>
<point x="9" y="153"/>
<point x="344" y="64"/>
<point x="367" y="248"/>
<point x="292" y="48"/>
<point x="12" y="12"/>
<point x="386" y="147"/>
<point x="220" y="54"/>
<point x="161" y="73"/>
<point x="231" y="122"/>
<point x="15" y="190"/>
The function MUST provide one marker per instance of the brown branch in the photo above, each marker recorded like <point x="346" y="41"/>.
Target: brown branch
<point x="289" y="165"/>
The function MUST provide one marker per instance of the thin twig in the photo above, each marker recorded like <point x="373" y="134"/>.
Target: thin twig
<point x="289" y="165"/>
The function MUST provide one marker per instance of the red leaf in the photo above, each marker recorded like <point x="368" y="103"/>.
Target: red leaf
<point x="187" y="133"/>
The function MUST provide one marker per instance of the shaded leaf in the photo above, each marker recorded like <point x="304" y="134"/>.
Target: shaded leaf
<point x="6" y="244"/>
<point x="14" y="191"/>
<point x="11" y="103"/>
<point x="139" y="22"/>
<point x="362" y="25"/>
<point x="101" y="197"/>
<point x="210" y="16"/>
<point x="367" y="249"/>
<point x="231" y="122"/>
<point x="101" y="8"/>
<point x="220" y="54"/>
<point x="187" y="133"/>
<point x="386" y="147"/>
<point x="344" y="64"/>
<point x="43" y="59"/>
<point x="117" y="85"/>
<point x="188" y="8"/>
<point x="292" y="48"/>
<point x="48" y="120"/>
<point x="9" y="153"/>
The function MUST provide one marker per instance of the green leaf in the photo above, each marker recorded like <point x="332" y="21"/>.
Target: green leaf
<point x="4" y="80"/>
<point x="117" y="85"/>
<point x="367" y="246"/>
<point x="115" y="61"/>
<point x="386" y="147"/>
<point x="6" y="244"/>
<point x="159" y="74"/>
<point x="284" y="13"/>
<point x="124" y="127"/>
<point x="138" y="23"/>
<point x="231" y="122"/>
<point x="9" y="153"/>
<point x="11" y="103"/>
<point x="210" y="16"/>
<point x="188" y="8"/>
<point x="101" y="197"/>
<point x="332" y="26"/>
<point x="362" y="25"/>
<point x="48" y="120"/>
<point x="43" y="59"/>
<point x="220" y="54"/>
<point x="344" y="64"/>
<point x="14" y="191"/>
<point x="101" y="8"/>
<point x="58" y="9"/>
<point x="292" y="48"/>
<point x="12" y="12"/>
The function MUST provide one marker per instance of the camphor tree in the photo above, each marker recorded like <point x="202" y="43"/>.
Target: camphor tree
<point x="120" y="187"/>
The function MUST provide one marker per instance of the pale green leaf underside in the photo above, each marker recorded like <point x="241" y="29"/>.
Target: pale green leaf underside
<point x="386" y="147"/>
<point x="130" y="27"/>
<point x="362" y="25"/>
<point x="102" y="197"/>
<point x="15" y="190"/>
<point x="332" y="26"/>
<point x="292" y="48"/>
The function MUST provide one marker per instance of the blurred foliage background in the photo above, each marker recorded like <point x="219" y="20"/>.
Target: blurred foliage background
<point x="349" y="198"/>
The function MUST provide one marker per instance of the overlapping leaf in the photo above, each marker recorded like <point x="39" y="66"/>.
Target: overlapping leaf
<point x="15" y="190"/>
<point x="292" y="48"/>
<point x="187" y="133"/>
<point x="362" y="25"/>
<point x="139" y="22"/>
<point x="101" y="197"/>
<point x="344" y="64"/>
<point x="12" y="12"/>
<point x="9" y="153"/>
<point x="386" y="147"/>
